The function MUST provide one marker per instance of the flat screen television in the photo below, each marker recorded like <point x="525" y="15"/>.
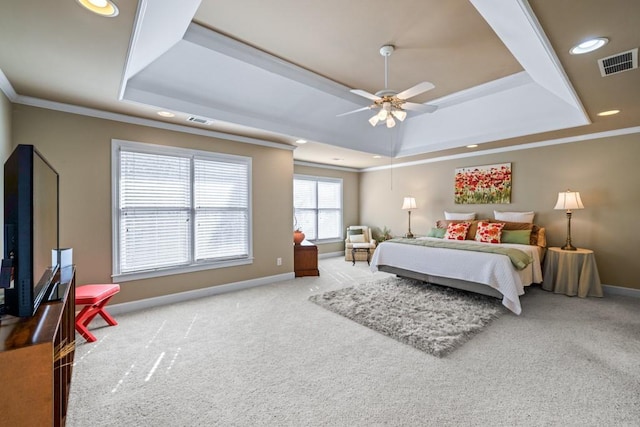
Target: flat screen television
<point x="31" y="230"/>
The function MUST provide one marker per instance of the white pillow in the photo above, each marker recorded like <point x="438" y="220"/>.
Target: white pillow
<point x="356" y="238"/>
<point x="514" y="216"/>
<point x="459" y="215"/>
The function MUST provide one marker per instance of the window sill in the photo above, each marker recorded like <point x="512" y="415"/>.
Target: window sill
<point x="140" y="275"/>
<point x="326" y="242"/>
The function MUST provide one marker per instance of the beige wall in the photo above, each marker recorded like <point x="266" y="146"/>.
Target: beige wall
<point x="350" y="190"/>
<point x="604" y="171"/>
<point x="5" y="147"/>
<point x="79" y="148"/>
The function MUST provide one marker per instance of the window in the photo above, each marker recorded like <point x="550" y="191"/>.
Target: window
<point x="178" y="210"/>
<point x="317" y="204"/>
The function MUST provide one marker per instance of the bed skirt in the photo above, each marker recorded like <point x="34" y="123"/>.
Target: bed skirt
<point x="479" y="288"/>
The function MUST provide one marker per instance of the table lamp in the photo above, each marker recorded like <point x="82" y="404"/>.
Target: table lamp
<point x="408" y="204"/>
<point x="568" y="200"/>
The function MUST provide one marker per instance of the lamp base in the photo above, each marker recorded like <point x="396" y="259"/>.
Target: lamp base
<point x="568" y="247"/>
<point x="409" y="235"/>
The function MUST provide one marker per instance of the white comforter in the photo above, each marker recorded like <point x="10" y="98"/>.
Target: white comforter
<point x="491" y="269"/>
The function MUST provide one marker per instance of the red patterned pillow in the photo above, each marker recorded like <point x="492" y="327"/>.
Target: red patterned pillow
<point x="457" y="231"/>
<point x="489" y="232"/>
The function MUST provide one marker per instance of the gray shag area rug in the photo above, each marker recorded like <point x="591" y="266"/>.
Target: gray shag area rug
<point x="431" y="318"/>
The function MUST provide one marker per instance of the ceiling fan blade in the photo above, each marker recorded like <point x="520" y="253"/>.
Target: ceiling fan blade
<point x="415" y="90"/>
<point x="354" y="111"/>
<point x="365" y="94"/>
<point x="421" y="108"/>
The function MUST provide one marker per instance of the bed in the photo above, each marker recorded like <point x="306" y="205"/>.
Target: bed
<point x="477" y="270"/>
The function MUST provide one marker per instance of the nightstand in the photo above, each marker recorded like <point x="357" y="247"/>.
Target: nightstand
<point x="305" y="259"/>
<point x="571" y="273"/>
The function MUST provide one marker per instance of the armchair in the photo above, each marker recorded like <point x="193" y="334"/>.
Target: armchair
<point x="358" y="237"/>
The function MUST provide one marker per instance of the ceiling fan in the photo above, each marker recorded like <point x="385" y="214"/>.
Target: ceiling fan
<point x="391" y="103"/>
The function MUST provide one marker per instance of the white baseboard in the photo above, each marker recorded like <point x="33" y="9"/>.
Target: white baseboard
<point x="127" y="307"/>
<point x="619" y="290"/>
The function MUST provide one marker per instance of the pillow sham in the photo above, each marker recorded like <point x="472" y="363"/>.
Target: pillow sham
<point x="460" y="215"/>
<point x="457" y="231"/>
<point x="538" y="236"/>
<point x="508" y="225"/>
<point x="514" y="216"/>
<point x="437" y="232"/>
<point x="521" y="237"/>
<point x="489" y="232"/>
<point x="353" y="231"/>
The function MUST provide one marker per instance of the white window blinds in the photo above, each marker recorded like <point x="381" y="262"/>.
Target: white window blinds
<point x="318" y="207"/>
<point x="155" y="202"/>
<point x="221" y="209"/>
<point x="180" y="210"/>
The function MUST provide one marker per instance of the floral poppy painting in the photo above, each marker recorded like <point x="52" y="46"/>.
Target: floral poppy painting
<point x="490" y="184"/>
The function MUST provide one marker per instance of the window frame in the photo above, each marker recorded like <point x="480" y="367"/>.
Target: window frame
<point x="317" y="179"/>
<point x="117" y="146"/>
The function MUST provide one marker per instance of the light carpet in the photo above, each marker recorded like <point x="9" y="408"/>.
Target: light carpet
<point x="266" y="356"/>
<point x="434" y="319"/>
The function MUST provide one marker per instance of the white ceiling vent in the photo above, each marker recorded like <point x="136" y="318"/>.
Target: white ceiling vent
<point x="199" y="120"/>
<point x="618" y="63"/>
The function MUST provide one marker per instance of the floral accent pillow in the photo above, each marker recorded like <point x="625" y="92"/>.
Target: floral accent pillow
<point x="457" y="231"/>
<point x="489" y="232"/>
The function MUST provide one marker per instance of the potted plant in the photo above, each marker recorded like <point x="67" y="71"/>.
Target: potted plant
<point x="382" y="235"/>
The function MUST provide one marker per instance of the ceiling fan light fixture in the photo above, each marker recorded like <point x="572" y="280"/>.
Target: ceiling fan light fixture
<point x="382" y="115"/>
<point x="399" y="114"/>
<point x="374" y="120"/>
<point x="390" y="122"/>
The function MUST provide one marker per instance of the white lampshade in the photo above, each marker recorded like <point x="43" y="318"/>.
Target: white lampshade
<point x="568" y="200"/>
<point x="409" y="203"/>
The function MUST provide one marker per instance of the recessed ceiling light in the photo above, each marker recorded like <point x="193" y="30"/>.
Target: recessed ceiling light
<point x="608" y="113"/>
<point x="301" y="141"/>
<point x="589" y="45"/>
<point x="377" y="157"/>
<point x="101" y="7"/>
<point x="166" y="114"/>
<point x="472" y="146"/>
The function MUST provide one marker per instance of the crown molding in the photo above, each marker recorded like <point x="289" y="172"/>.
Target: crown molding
<point x="325" y="166"/>
<point x="123" y="118"/>
<point x="529" y="146"/>
<point x="6" y="88"/>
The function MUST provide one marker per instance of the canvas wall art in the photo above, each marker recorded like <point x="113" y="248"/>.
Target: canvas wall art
<point x="490" y="184"/>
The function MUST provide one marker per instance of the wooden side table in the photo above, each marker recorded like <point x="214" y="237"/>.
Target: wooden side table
<point x="305" y="259"/>
<point x="572" y="273"/>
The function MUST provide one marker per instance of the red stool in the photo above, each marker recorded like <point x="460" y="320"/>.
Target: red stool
<point x="94" y="298"/>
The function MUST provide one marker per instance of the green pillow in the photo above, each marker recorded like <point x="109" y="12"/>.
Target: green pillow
<point x="520" y="237"/>
<point x="354" y="231"/>
<point x="437" y="232"/>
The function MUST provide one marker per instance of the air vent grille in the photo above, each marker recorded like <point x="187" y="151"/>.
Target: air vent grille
<point x="618" y="63"/>
<point x="200" y="120"/>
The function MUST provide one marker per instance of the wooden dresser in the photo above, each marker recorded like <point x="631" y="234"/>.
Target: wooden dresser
<point x="36" y="359"/>
<point x="305" y="259"/>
